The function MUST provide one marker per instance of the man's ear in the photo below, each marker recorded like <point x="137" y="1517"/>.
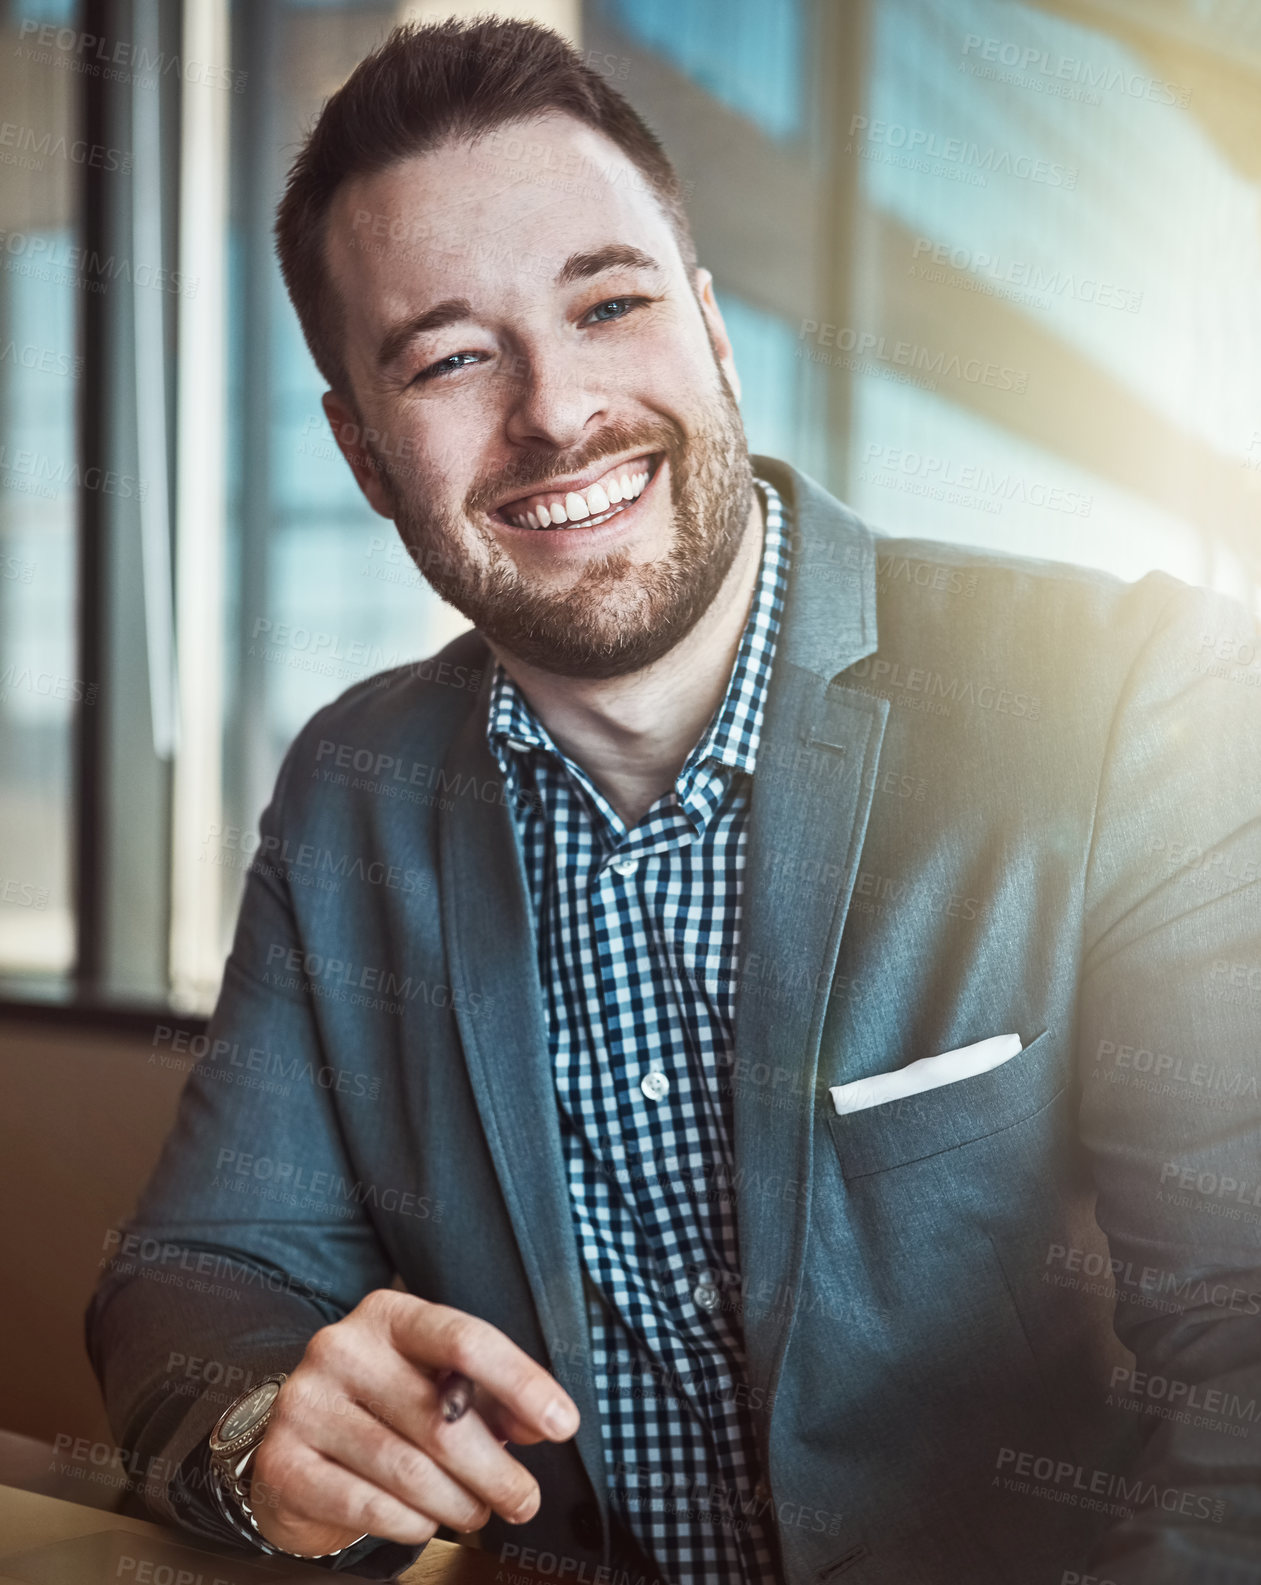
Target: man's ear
<point x="348" y="432"/>
<point x="717" y="329"/>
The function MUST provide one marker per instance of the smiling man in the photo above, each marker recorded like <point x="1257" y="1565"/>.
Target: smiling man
<point x="767" y="1089"/>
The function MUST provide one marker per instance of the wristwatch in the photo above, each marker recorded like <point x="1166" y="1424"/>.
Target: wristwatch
<point x="233" y="1443"/>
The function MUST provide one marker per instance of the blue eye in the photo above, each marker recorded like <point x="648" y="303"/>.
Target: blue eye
<point x="622" y="305"/>
<point x="447" y="365"/>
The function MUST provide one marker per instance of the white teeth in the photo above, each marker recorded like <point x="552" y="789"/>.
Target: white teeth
<point x="619" y="490"/>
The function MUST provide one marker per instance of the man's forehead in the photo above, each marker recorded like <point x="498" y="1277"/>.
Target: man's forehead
<point x="520" y="192"/>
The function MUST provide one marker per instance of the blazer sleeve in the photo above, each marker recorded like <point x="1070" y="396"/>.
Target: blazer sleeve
<point x="228" y="1261"/>
<point x="1169" y="1055"/>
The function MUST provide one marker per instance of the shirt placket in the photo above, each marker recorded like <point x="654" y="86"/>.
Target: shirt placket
<point x="638" y="1070"/>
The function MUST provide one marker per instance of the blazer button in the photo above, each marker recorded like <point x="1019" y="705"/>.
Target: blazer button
<point x="584" y="1521"/>
<point x="762" y="1491"/>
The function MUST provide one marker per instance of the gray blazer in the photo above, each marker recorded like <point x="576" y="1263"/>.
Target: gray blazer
<point x="1006" y="1330"/>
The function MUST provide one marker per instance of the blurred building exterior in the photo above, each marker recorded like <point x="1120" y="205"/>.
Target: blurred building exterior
<point x="991" y="272"/>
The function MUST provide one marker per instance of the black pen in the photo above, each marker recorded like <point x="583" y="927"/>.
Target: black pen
<point x="455" y="1394"/>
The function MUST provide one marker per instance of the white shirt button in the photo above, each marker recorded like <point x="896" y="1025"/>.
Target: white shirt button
<point x="705" y="1296"/>
<point x="654" y="1085"/>
<point x="625" y="866"/>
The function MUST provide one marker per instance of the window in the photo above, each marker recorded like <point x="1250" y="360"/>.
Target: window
<point x="1057" y="224"/>
<point x="41" y="685"/>
<point x="782" y="394"/>
<point x="750" y="54"/>
<point x="989" y="272"/>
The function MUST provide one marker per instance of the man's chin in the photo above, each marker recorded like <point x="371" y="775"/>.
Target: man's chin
<point x="620" y="615"/>
<point x="594" y="650"/>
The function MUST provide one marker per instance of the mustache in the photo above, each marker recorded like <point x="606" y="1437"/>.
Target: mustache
<point x="534" y="468"/>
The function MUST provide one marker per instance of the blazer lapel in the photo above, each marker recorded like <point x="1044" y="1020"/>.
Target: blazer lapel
<point x="812" y="789"/>
<point x="490" y="940"/>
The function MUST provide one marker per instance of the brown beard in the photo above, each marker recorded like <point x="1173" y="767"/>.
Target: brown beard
<point x="619" y="616"/>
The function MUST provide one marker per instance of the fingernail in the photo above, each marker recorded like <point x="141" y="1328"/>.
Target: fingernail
<point x="559" y="1420"/>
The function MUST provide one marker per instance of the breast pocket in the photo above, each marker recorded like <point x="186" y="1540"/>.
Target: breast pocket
<point x="918" y="1126"/>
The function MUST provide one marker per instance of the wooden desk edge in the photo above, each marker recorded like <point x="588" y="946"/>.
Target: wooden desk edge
<point x="30" y="1519"/>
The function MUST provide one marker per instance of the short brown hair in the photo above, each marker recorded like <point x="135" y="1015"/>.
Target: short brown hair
<point x="424" y="86"/>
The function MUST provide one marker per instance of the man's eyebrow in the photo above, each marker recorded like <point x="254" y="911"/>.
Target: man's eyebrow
<point x="617" y="255"/>
<point x="448" y="312"/>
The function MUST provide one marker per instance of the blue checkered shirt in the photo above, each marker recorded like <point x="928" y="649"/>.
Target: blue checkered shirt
<point x="638" y="932"/>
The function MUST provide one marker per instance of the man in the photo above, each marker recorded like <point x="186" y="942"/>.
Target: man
<point x="556" y="1228"/>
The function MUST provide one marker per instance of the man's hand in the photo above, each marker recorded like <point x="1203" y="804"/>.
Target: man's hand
<point x="357" y="1440"/>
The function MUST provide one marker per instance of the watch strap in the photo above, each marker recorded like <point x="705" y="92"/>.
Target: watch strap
<point x="231" y="1483"/>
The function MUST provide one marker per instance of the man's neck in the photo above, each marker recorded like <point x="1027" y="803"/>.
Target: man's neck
<point x="633" y="734"/>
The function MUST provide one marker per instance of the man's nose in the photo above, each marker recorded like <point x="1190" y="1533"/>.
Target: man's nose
<point x="554" y="400"/>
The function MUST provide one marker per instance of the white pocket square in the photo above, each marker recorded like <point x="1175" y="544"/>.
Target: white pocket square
<point x="926" y="1074"/>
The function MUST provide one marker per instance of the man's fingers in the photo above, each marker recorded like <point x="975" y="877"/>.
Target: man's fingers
<point x="373" y="1451"/>
<point x="438" y="1338"/>
<point x="394" y="1402"/>
<point x="503" y="1424"/>
<point x="358" y="1437"/>
<point x="315" y="1494"/>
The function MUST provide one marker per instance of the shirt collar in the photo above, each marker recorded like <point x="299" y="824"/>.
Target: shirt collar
<point x="733" y="735"/>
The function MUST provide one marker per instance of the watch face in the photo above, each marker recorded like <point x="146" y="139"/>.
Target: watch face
<point x="241" y="1417"/>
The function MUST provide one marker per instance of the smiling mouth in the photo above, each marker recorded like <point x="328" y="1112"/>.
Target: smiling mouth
<point x="594" y="504"/>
